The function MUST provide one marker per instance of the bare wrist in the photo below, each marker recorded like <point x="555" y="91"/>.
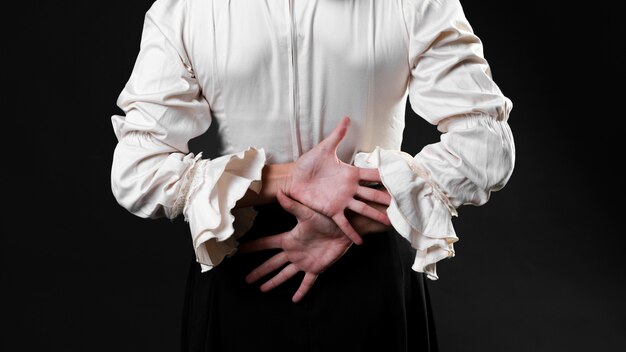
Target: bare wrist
<point x="274" y="177"/>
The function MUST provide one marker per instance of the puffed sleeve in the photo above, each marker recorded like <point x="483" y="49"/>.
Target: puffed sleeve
<point x="451" y="87"/>
<point x="153" y="173"/>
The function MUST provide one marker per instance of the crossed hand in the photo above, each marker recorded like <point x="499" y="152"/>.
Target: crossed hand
<point x="318" y="192"/>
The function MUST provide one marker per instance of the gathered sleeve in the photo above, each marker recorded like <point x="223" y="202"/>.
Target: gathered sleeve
<point x="451" y="87"/>
<point x="153" y="173"/>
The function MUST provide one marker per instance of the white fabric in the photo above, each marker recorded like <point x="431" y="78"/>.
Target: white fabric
<point x="277" y="76"/>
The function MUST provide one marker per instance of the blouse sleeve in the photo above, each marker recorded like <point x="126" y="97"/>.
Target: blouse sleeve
<point x="153" y="173"/>
<point x="451" y="87"/>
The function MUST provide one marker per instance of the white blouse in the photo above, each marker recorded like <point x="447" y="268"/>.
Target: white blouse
<point x="277" y="76"/>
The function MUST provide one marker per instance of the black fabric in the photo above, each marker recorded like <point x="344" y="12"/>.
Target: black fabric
<point x="369" y="300"/>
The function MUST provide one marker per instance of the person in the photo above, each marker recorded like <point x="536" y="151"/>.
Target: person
<point x="313" y="230"/>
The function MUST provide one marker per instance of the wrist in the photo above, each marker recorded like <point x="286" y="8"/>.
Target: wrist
<point x="284" y="181"/>
<point x="276" y="177"/>
<point x="273" y="178"/>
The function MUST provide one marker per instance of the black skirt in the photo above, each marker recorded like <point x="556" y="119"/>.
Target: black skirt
<point x="369" y="300"/>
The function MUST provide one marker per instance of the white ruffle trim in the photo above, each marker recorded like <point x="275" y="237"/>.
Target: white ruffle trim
<point x="419" y="210"/>
<point x="214" y="190"/>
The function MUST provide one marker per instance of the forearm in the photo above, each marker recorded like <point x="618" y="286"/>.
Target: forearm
<point x="272" y="179"/>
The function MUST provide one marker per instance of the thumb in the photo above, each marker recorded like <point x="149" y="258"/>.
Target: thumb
<point x="296" y="208"/>
<point x="335" y="137"/>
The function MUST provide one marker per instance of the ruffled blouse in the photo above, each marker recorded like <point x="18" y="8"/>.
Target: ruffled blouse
<point x="277" y="76"/>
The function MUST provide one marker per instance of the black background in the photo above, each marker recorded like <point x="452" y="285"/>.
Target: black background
<point x="539" y="268"/>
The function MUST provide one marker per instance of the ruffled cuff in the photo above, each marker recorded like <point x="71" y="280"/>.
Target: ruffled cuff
<point x="419" y="210"/>
<point x="215" y="188"/>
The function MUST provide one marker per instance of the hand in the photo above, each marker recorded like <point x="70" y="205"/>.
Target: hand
<point x="329" y="186"/>
<point x="312" y="246"/>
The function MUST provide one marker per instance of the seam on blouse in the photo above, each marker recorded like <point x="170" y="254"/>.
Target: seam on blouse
<point x="185" y="30"/>
<point x="185" y="63"/>
<point x="407" y="34"/>
<point x="215" y="79"/>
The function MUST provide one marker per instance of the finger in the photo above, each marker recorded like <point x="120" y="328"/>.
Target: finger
<point x="335" y="137"/>
<point x="373" y="195"/>
<point x="296" y="208"/>
<point x="287" y="273"/>
<point x="263" y="243"/>
<point x="305" y="287"/>
<point x="267" y="267"/>
<point x="347" y="229"/>
<point x="368" y="211"/>
<point x="369" y="174"/>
